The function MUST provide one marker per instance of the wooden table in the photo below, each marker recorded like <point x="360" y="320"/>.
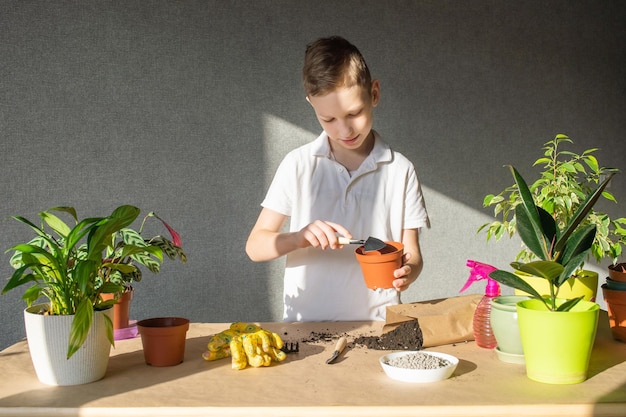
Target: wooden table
<point x="305" y="385"/>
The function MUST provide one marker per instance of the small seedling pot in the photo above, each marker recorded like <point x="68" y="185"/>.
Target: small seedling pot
<point x="617" y="272"/>
<point x="378" y="266"/>
<point x="163" y="340"/>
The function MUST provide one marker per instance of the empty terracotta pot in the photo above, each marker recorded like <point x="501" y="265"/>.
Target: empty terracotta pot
<point x="378" y="266"/>
<point x="163" y="340"/>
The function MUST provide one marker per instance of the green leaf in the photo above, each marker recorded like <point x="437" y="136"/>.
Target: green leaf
<point x="546" y="269"/>
<point x="542" y="161"/>
<point x="84" y="274"/>
<point x="131" y="237"/>
<point x="55" y="224"/>
<point x="32" y="294"/>
<point x="109" y="329"/>
<point x="150" y="263"/>
<point x="570" y="268"/>
<point x="70" y="210"/>
<point x="581" y="214"/>
<point x="609" y="196"/>
<point x="514" y="281"/>
<point x="98" y="237"/>
<point x="79" y="231"/>
<point x="80" y="326"/>
<point x="579" y="243"/>
<point x="526" y="229"/>
<point x="123" y="268"/>
<point x="19" y="277"/>
<point x="39" y="256"/>
<point x="567" y="306"/>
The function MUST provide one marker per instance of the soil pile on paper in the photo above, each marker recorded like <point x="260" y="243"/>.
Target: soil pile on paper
<point x="407" y="336"/>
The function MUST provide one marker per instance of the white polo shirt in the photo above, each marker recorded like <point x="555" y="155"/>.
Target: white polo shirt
<point x="380" y="199"/>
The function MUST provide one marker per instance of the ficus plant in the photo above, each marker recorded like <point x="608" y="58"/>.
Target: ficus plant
<point x="565" y="180"/>
<point x="70" y="265"/>
<point x="560" y="250"/>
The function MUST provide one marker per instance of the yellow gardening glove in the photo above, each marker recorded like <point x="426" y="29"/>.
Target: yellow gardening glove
<point x="262" y="346"/>
<point x="247" y="344"/>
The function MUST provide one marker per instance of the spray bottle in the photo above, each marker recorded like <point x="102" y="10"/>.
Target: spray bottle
<point x="483" y="334"/>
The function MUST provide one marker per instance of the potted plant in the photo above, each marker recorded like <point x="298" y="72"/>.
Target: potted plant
<point x="564" y="182"/>
<point x="68" y="266"/>
<point x="557" y="334"/>
<point x="120" y="266"/>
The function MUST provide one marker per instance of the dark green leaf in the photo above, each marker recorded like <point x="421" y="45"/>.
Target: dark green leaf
<point x="527" y="231"/>
<point x="567" y="306"/>
<point x="582" y="212"/>
<point x="514" y="281"/>
<point x="579" y="242"/>
<point x="544" y="269"/>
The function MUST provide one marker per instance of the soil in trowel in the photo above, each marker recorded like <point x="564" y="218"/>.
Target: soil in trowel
<point x="407" y="336"/>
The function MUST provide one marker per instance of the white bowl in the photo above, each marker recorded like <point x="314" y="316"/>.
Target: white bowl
<point x="418" y="375"/>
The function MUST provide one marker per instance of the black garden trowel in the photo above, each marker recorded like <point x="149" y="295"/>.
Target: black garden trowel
<point x="369" y="245"/>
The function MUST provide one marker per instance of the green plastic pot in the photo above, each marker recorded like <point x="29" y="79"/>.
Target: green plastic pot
<point x="557" y="345"/>
<point x="506" y="329"/>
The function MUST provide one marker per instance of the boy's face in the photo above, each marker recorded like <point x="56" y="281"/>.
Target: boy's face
<point x="346" y="115"/>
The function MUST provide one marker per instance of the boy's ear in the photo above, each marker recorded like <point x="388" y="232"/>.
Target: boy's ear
<point x="307" y="99"/>
<point x="375" y="92"/>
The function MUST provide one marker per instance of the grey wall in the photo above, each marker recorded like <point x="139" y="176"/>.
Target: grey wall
<point x="186" y="108"/>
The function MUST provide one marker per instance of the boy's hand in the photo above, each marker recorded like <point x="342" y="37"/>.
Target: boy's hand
<point x="322" y="234"/>
<point x="403" y="275"/>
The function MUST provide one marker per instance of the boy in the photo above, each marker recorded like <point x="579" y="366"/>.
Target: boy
<point x="346" y="182"/>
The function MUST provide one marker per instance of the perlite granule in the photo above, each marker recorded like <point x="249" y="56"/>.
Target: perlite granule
<point x="418" y="360"/>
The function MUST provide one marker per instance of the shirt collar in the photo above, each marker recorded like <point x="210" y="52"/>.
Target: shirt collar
<point x="380" y="153"/>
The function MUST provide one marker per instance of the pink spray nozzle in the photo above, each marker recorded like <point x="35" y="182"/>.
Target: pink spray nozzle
<point x="478" y="271"/>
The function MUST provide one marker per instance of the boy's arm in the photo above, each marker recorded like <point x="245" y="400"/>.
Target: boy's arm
<point x="413" y="262"/>
<point x="266" y="242"/>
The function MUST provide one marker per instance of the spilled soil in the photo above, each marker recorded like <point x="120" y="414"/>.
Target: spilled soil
<point x="407" y="336"/>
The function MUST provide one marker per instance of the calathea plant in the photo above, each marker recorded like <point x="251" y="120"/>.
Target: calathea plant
<point x="129" y="248"/>
<point x="561" y="251"/>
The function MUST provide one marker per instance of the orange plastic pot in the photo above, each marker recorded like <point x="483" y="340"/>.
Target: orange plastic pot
<point x="616" y="307"/>
<point x="163" y="340"/>
<point x="378" y="266"/>
<point x="121" y="309"/>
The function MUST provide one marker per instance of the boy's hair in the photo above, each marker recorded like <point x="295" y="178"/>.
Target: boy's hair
<point x="331" y="63"/>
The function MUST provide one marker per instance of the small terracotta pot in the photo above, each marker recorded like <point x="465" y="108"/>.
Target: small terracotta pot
<point x="378" y="266"/>
<point x="617" y="272"/>
<point x="163" y="340"/>
<point x="616" y="307"/>
<point x="121" y="309"/>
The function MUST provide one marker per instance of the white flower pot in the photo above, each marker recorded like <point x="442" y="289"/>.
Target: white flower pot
<point x="48" y="338"/>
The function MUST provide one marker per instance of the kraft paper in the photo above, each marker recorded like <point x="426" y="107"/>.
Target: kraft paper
<point x="442" y="321"/>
